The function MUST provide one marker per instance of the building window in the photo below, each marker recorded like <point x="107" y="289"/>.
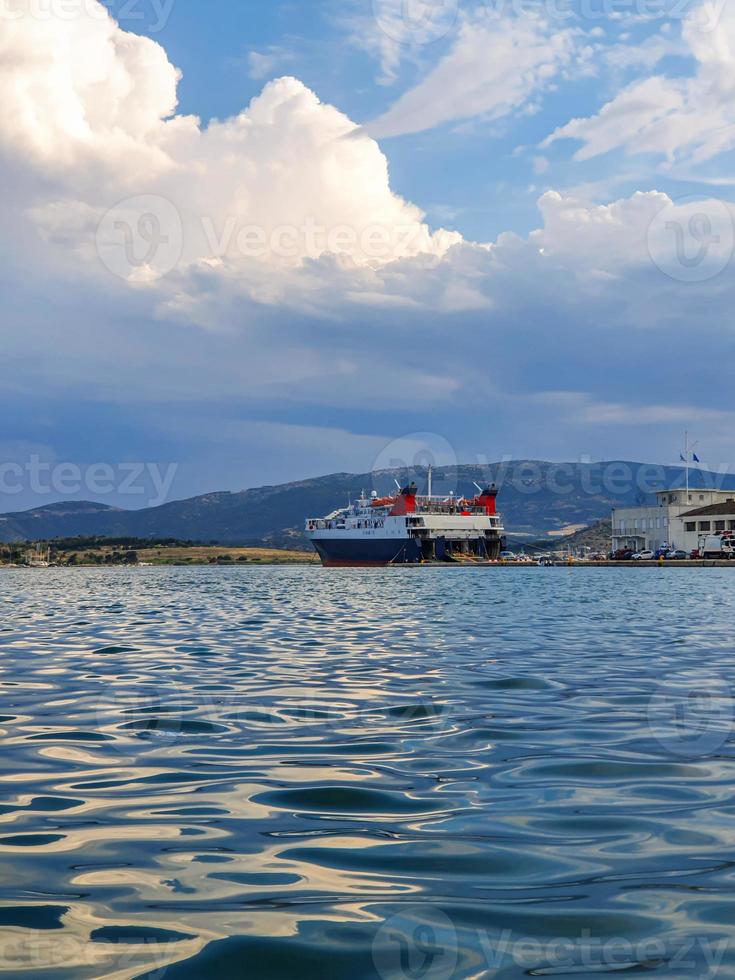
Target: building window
<point x="666" y="522"/>
<point x="658" y="523"/>
<point x="701" y="496"/>
<point x="719" y="525"/>
<point x="690" y="526"/>
<point x="635" y="523"/>
<point x="731" y="525"/>
<point x="705" y="525"/>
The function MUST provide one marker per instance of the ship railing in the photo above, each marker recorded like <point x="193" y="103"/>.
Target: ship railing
<point x="446" y="507"/>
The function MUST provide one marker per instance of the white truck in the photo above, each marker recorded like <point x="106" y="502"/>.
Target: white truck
<point x="717" y="546"/>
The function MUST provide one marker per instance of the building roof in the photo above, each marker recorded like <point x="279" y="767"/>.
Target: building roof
<point x="727" y="508"/>
<point x="694" y="489"/>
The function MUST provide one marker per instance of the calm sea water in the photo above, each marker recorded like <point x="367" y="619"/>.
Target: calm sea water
<point x="398" y="774"/>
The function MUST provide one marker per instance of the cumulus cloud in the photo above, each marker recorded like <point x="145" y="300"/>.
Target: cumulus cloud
<point x="90" y="108"/>
<point x="285" y="200"/>
<point x="680" y="118"/>
<point x="79" y="91"/>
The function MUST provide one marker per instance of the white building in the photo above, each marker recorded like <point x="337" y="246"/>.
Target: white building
<point x="654" y="525"/>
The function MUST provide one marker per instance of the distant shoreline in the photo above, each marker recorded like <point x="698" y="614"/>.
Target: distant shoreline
<point x="315" y="563"/>
<point x="113" y="556"/>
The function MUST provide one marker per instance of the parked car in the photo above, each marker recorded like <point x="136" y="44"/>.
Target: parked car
<point x="622" y="554"/>
<point x="507" y="556"/>
<point x="645" y="555"/>
<point x="676" y="555"/>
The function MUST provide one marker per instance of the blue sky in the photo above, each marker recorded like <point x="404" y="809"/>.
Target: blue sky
<point x="578" y="158"/>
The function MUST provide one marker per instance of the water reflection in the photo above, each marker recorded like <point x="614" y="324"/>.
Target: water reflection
<point x="404" y="773"/>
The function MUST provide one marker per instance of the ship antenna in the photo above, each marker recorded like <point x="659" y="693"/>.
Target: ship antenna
<point x="431" y="473"/>
<point x="479" y="488"/>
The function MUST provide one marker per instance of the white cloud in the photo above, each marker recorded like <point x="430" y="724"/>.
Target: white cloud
<point x="436" y="322"/>
<point x="647" y="53"/>
<point x="297" y="170"/>
<point x="80" y="91"/>
<point x="265" y="64"/>
<point x="683" y="119"/>
<point x="582" y="408"/>
<point x="88" y="110"/>
<point x="395" y="30"/>
<point x="496" y="65"/>
<point x="365" y="33"/>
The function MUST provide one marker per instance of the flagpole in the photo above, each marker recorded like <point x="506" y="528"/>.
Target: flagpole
<point x="686" y="459"/>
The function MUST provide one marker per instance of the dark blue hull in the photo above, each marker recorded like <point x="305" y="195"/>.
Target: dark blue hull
<point x="403" y="551"/>
<point x="375" y="551"/>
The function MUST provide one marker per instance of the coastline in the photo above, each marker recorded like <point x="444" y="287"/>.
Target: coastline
<point x="195" y="556"/>
<point x="304" y="560"/>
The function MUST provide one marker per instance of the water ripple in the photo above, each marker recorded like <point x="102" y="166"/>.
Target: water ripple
<point x="366" y="774"/>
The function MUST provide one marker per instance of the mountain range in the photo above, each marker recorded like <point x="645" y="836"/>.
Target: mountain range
<point x="537" y="500"/>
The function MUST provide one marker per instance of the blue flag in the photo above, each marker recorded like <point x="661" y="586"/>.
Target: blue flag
<point x="695" y="457"/>
<point x="681" y="457"/>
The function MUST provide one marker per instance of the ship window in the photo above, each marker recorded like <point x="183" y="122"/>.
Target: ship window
<point x="705" y="525"/>
<point x="719" y="525"/>
<point x="690" y="526"/>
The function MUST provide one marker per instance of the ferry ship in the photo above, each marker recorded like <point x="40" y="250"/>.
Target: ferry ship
<point x="408" y="528"/>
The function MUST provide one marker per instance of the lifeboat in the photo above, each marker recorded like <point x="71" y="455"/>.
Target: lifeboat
<point x="382" y="501"/>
